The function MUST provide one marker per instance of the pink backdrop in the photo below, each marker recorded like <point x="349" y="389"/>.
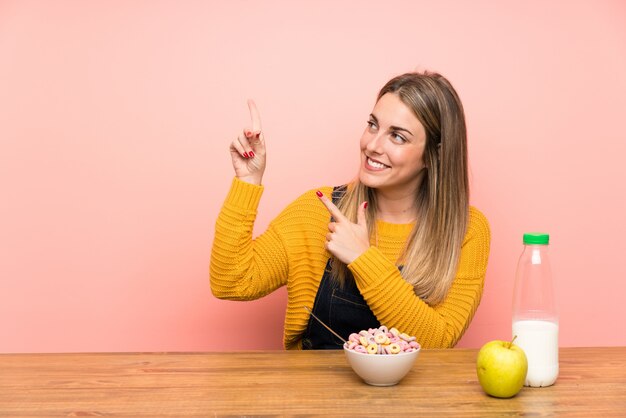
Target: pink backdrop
<point x="115" y="119"/>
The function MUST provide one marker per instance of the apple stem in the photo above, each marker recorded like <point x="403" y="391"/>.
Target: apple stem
<point x="511" y="343"/>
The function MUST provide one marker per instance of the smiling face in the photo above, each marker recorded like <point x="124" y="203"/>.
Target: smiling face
<point x="392" y="148"/>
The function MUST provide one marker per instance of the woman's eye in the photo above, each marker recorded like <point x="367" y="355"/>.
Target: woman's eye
<point x="398" y="138"/>
<point x="371" y="124"/>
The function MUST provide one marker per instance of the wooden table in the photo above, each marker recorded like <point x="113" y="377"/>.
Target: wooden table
<point x="592" y="382"/>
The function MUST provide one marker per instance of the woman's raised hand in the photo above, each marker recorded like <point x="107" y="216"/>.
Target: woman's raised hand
<point x="248" y="150"/>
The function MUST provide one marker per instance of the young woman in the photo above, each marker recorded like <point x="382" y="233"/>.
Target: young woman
<point x="398" y="246"/>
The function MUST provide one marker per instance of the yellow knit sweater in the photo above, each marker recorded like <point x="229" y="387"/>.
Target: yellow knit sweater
<point x="291" y="252"/>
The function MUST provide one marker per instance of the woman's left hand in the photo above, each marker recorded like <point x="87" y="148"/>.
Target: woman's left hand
<point x="346" y="240"/>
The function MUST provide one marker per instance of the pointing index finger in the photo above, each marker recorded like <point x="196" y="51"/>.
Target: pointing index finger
<point x="254" y="116"/>
<point x="334" y="210"/>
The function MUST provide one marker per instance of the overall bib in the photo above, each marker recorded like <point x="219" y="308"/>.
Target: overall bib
<point x="342" y="309"/>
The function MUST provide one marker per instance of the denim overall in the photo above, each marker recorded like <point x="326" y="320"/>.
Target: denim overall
<point x="342" y="309"/>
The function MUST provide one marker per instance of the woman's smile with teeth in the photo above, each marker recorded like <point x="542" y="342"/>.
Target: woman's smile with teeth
<point x="376" y="164"/>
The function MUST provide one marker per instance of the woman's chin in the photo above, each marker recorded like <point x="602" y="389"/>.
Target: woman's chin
<point x="368" y="180"/>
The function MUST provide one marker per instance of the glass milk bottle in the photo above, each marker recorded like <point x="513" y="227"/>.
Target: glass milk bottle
<point x="535" y="319"/>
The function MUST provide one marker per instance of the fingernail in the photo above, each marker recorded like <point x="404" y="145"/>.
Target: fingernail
<point x="256" y="135"/>
<point x="248" y="134"/>
<point x="251" y="154"/>
<point x="319" y="194"/>
<point x="245" y="154"/>
<point x="365" y="205"/>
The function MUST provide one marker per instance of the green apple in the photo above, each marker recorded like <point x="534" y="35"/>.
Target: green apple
<point x="501" y="367"/>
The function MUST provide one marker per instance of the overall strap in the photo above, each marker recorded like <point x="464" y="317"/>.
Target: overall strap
<point x="338" y="192"/>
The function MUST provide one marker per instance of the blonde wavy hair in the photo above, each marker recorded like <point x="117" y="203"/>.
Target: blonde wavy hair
<point x="430" y="257"/>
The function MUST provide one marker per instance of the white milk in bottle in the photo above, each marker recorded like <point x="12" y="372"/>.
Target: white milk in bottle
<point x="540" y="342"/>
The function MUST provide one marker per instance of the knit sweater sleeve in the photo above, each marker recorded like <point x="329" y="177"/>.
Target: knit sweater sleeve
<point x="243" y="268"/>
<point x="395" y="304"/>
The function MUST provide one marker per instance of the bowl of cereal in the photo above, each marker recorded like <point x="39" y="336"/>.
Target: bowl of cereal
<point x="381" y="356"/>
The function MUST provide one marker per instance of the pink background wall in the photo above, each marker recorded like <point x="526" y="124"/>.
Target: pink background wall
<point x="115" y="120"/>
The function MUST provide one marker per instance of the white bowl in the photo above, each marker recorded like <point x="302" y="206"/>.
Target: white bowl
<point x="381" y="369"/>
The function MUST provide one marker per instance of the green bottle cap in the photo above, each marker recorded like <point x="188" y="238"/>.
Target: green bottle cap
<point x="536" y="238"/>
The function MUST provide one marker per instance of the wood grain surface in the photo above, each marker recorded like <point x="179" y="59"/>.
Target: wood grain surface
<point x="592" y="382"/>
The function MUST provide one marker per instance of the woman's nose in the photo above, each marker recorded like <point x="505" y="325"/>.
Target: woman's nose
<point x="375" y="143"/>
